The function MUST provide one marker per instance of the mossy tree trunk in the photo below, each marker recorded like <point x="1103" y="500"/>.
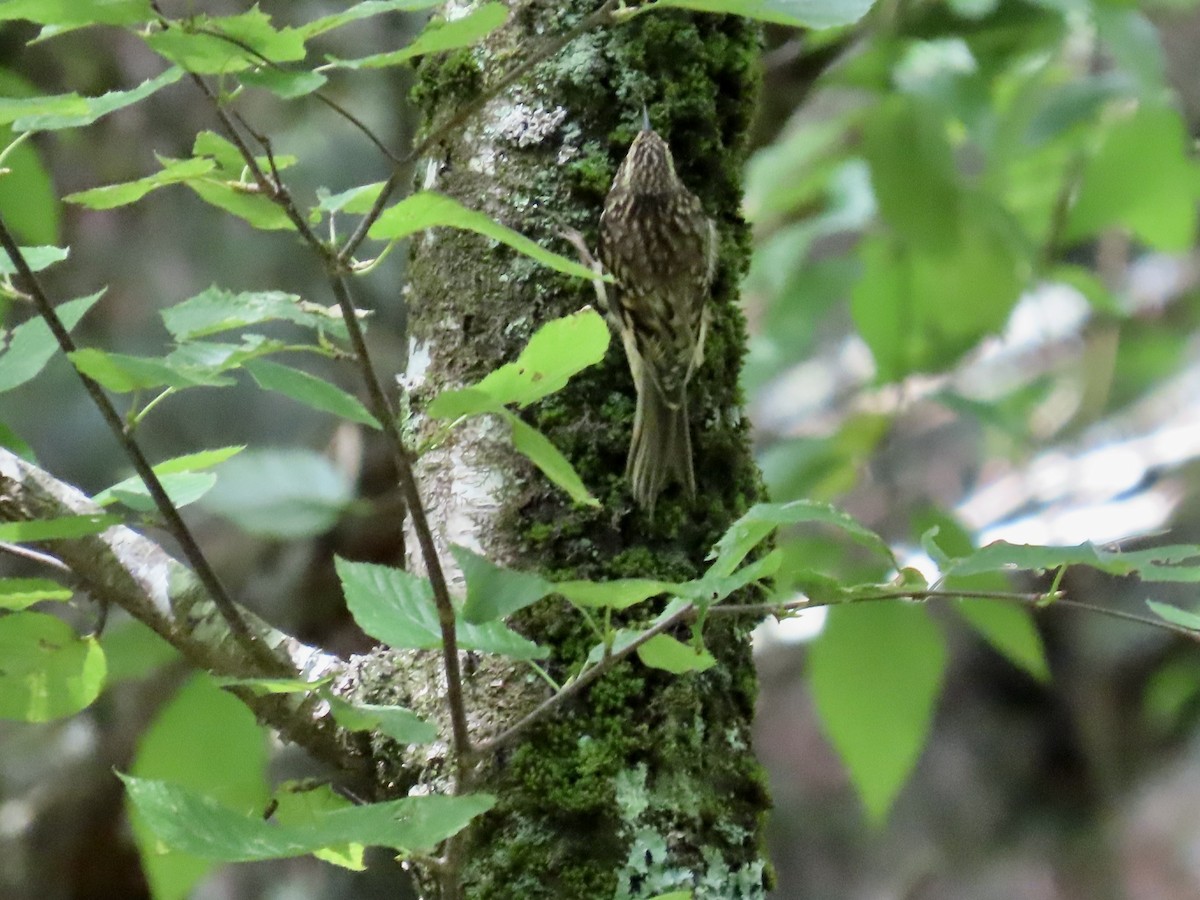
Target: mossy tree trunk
<point x="648" y="782"/>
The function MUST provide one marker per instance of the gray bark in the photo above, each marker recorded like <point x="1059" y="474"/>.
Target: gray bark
<point x="648" y="783"/>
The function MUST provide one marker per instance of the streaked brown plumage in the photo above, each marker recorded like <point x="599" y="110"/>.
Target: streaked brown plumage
<point x="661" y="248"/>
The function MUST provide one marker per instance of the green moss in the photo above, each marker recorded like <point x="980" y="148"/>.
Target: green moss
<point x="447" y="80"/>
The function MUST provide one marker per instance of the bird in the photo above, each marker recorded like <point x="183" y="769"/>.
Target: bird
<point x="660" y="248"/>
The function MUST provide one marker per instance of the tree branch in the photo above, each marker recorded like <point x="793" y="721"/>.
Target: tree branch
<point x="264" y="660"/>
<point x="128" y="570"/>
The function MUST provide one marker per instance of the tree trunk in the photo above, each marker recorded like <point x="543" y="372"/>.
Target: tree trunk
<point x="647" y="783"/>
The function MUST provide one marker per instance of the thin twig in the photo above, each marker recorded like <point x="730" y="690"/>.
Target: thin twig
<point x="1037" y="601"/>
<point x="583" y="680"/>
<point x="166" y="508"/>
<point x="384" y="411"/>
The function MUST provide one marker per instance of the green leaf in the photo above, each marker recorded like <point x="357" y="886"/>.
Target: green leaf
<point x="28" y="200"/>
<point x="912" y="171"/>
<point x="284" y="493"/>
<point x="1011" y="630"/>
<point x="1143" y="179"/>
<point x="77" y="12"/>
<point x="558" y="350"/>
<point x="211" y="45"/>
<point x="430" y="210"/>
<point x="620" y="594"/>
<point x="48" y="671"/>
<point x="397" y="607"/>
<point x="215" y="310"/>
<point x="123" y="374"/>
<point x="205" y="739"/>
<point x="285" y="84"/>
<point x="31" y="344"/>
<point x="438" y="35"/>
<point x="262" y="687"/>
<point x="310" y="390"/>
<point x="876" y="672"/>
<point x="494" y="592"/>
<point x="536" y="447"/>
<point x="199" y="825"/>
<point x="21" y="593"/>
<point x="1155" y="564"/>
<point x="193" y="462"/>
<point x="299" y="802"/>
<point x="62" y="528"/>
<point x="134" y="651"/>
<point x="362" y="10"/>
<point x="1176" y="616"/>
<point x="183" y="489"/>
<point x="353" y="200"/>
<point x="37" y="258"/>
<point x="1134" y="43"/>
<point x="763" y="518"/>
<point x="920" y="307"/>
<point x="244" y="201"/>
<point x="174" y="171"/>
<point x="81" y="111"/>
<point x="396" y="722"/>
<point x="664" y="652"/>
<point x="714" y="587"/>
<point x="800" y="13"/>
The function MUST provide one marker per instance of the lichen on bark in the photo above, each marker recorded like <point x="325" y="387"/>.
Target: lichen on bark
<point x="648" y="783"/>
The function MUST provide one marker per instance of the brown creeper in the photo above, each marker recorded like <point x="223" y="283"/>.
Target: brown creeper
<point x="660" y="247"/>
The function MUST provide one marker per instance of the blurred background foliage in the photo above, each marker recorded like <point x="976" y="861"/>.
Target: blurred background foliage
<point x="971" y="306"/>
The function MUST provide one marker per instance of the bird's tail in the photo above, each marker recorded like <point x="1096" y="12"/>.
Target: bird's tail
<point x="661" y="448"/>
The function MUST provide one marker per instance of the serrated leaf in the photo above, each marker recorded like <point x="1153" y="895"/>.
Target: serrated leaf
<point x="205" y="739"/>
<point x="31" y="344"/>
<point x="22" y="593"/>
<point x="215" y="310"/>
<point x="397" y="608"/>
<point x="664" y="652"/>
<point x="536" y="447"/>
<point x="245" y="202"/>
<point x="74" y="111"/>
<point x="48" y="671"/>
<point x="1155" y="564"/>
<point x="620" y="594"/>
<point x="282" y="83"/>
<point x="557" y="350"/>
<point x="197" y="824"/>
<point x="362" y="10"/>
<point x="123" y="374"/>
<point x="77" y="12"/>
<point x="175" y="171"/>
<point x="203" y="459"/>
<point x="800" y="13"/>
<point x="763" y="518"/>
<point x="62" y="528"/>
<point x="396" y="722"/>
<point x="283" y="493"/>
<point x="494" y="592"/>
<point x="211" y="45"/>
<point x="310" y="390"/>
<point x="876" y="672"/>
<point x="438" y="36"/>
<point x="431" y="210"/>
<point x="37" y="258"/>
<point x="183" y="488"/>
